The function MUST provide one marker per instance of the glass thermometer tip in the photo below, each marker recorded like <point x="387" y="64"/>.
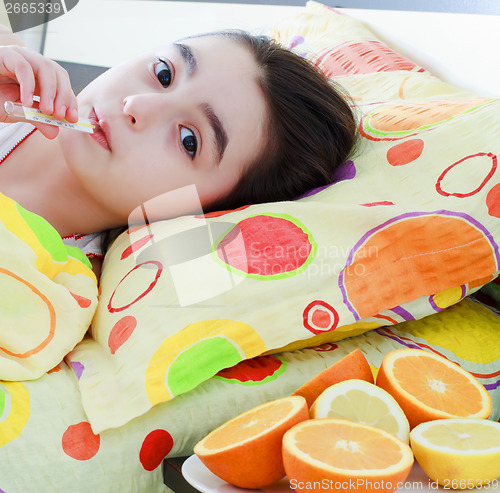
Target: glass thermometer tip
<point x="33" y="114"/>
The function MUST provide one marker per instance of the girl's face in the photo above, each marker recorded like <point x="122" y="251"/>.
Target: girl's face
<point x="186" y="114"/>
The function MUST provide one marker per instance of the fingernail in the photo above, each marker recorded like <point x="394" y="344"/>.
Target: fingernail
<point x="47" y="108"/>
<point x="27" y="101"/>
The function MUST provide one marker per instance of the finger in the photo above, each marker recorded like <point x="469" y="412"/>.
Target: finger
<point x="4" y="118"/>
<point x="19" y="69"/>
<point x="44" y="71"/>
<point x="26" y="80"/>
<point x="72" y="113"/>
<point x="65" y="102"/>
<point x="47" y="83"/>
<point x="49" y="131"/>
<point x="9" y="92"/>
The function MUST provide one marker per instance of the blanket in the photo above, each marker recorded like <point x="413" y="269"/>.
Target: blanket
<point x="48" y="294"/>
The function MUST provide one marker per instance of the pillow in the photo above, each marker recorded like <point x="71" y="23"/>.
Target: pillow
<point x="49" y="294"/>
<point x="347" y="51"/>
<point x="409" y="228"/>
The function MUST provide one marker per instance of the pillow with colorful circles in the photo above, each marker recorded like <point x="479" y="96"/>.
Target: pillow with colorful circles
<point x="409" y="228"/>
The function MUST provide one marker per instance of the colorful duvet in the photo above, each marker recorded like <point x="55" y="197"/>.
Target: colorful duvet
<point x="48" y="294"/>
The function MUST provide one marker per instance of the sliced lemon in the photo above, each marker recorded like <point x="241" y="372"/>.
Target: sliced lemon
<point x="458" y="453"/>
<point x="362" y="402"/>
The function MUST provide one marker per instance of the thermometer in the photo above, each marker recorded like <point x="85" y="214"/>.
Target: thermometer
<point x="33" y="114"/>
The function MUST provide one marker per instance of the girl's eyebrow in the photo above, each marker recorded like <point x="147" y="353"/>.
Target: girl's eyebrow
<point x="221" y="138"/>
<point x="218" y="130"/>
<point x="188" y="57"/>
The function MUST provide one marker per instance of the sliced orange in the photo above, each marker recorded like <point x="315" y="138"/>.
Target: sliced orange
<point x="428" y="386"/>
<point x="339" y="455"/>
<point x="246" y="450"/>
<point x="353" y="365"/>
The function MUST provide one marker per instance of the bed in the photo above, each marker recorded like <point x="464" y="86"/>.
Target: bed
<point x="136" y="393"/>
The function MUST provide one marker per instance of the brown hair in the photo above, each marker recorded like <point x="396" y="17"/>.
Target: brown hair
<point x="311" y="128"/>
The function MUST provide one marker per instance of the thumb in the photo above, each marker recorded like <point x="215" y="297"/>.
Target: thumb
<point x="48" y="131"/>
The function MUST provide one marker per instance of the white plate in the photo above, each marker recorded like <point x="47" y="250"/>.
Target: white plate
<point x="198" y="476"/>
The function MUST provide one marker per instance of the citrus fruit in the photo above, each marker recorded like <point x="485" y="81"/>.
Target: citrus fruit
<point x="362" y="402"/>
<point x="458" y="453"/>
<point x="246" y="450"/>
<point x="339" y="455"/>
<point x="428" y="386"/>
<point x="353" y="365"/>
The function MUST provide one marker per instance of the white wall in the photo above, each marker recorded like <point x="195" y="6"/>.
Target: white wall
<point x="104" y="32"/>
<point x="32" y="37"/>
<point x="4" y="20"/>
<point x="460" y="48"/>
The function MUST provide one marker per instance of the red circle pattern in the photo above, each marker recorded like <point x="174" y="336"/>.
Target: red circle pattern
<point x="320" y="317"/>
<point x="159" y="270"/>
<point x="155" y="448"/>
<point x="79" y="441"/>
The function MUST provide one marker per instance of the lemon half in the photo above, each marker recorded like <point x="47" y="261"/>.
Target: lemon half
<point x="458" y="453"/>
<point x="362" y="402"/>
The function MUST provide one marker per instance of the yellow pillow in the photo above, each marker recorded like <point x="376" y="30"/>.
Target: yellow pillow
<point x="347" y="51"/>
<point x="410" y="227"/>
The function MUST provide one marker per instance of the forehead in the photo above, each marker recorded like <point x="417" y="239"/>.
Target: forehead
<point x="222" y="49"/>
<point x="227" y="77"/>
<point x="223" y="61"/>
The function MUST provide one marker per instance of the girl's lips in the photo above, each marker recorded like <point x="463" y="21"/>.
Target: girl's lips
<point x="101" y="130"/>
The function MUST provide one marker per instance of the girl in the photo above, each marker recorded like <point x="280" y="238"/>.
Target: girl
<point x="241" y="118"/>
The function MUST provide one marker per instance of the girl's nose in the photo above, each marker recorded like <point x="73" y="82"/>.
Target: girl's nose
<point x="142" y="109"/>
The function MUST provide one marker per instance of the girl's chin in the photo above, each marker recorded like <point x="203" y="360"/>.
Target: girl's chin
<point x="78" y="148"/>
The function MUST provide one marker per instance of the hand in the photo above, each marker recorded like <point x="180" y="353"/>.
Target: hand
<point x="23" y="73"/>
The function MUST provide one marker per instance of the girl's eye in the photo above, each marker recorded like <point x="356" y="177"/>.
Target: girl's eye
<point x="163" y="73"/>
<point x="189" y="141"/>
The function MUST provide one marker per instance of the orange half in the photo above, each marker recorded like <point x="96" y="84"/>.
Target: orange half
<point x="427" y="386"/>
<point x="353" y="365"/>
<point x="246" y="450"/>
<point x="345" y="456"/>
